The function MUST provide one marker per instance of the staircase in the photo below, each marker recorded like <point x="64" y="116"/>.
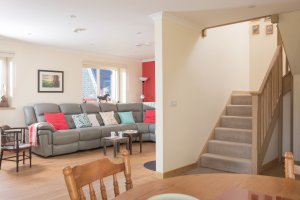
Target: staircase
<point x="230" y="150"/>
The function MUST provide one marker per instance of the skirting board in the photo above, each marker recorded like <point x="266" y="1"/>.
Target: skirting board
<point x="178" y="171"/>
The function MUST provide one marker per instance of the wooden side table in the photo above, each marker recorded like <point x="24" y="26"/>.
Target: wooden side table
<point x="131" y="134"/>
<point x="116" y="143"/>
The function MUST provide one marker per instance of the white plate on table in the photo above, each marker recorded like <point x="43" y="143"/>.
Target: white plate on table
<point x="172" y="196"/>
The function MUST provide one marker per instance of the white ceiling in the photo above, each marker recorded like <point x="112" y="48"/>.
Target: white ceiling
<point x="112" y="25"/>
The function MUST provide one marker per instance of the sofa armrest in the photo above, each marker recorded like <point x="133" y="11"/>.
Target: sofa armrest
<point x="45" y="126"/>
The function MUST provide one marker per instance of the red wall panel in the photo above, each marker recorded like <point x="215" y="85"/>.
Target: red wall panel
<point x="149" y="86"/>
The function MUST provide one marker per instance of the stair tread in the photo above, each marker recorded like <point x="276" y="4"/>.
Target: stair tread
<point x="230" y="143"/>
<point x="239" y="105"/>
<point x="236" y="117"/>
<point x="219" y="156"/>
<point x="247" y="95"/>
<point x="234" y="129"/>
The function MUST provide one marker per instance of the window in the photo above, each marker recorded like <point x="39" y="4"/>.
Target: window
<point x="6" y="74"/>
<point x="102" y="81"/>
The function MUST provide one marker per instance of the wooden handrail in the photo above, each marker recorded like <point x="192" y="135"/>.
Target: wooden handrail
<point x="273" y="62"/>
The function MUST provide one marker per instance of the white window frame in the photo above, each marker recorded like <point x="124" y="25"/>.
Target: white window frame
<point x="6" y="74"/>
<point x="121" y="78"/>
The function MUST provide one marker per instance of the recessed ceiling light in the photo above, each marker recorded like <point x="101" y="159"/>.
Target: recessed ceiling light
<point x="252" y="6"/>
<point x="73" y="16"/>
<point x="77" y="30"/>
<point x="29" y="33"/>
<point x="139" y="33"/>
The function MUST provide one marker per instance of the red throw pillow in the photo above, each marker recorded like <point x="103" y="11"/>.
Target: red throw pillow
<point x="150" y="116"/>
<point x="58" y="120"/>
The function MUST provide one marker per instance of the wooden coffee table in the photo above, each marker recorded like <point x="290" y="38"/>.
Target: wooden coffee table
<point x="116" y="143"/>
<point x="133" y="134"/>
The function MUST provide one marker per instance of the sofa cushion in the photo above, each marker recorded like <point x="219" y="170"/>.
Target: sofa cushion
<point x="152" y="128"/>
<point x="89" y="133"/>
<point x="58" y="120"/>
<point x="126" y="117"/>
<point x="108" y="118"/>
<point x="150" y="116"/>
<point x="29" y="114"/>
<point x="135" y="108"/>
<point x="93" y="120"/>
<point x="66" y="136"/>
<point x="106" y="107"/>
<point x="81" y="120"/>
<point x="41" y="108"/>
<point x="143" y="127"/>
<point x="70" y="109"/>
<point x="90" y="108"/>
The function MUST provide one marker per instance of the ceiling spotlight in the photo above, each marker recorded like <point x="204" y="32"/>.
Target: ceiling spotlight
<point x="139" y="33"/>
<point x="77" y="30"/>
<point x="73" y="16"/>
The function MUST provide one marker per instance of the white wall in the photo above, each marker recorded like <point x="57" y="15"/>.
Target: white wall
<point x="296" y="113"/>
<point x="30" y="57"/>
<point x="262" y="49"/>
<point x="290" y="32"/>
<point x="197" y="77"/>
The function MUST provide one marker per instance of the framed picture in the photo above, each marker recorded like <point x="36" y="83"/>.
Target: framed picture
<point x="50" y="81"/>
<point x="269" y="29"/>
<point x="255" y="29"/>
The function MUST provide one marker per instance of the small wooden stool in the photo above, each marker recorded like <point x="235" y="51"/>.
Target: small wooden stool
<point x="116" y="143"/>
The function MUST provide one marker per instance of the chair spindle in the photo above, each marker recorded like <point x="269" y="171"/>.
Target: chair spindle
<point x="92" y="192"/>
<point x="116" y="185"/>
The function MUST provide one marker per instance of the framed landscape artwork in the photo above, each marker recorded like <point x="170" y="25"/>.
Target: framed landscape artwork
<point x="50" y="81"/>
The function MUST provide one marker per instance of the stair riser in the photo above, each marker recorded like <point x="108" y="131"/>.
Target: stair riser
<point x="226" y="165"/>
<point x="238" y="151"/>
<point x="242" y="123"/>
<point x="233" y="136"/>
<point x="239" y="111"/>
<point x="241" y="100"/>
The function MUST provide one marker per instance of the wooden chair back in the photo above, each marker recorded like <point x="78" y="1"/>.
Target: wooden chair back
<point x="290" y="168"/>
<point x="84" y="175"/>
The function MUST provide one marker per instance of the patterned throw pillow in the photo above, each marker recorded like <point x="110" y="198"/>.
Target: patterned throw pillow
<point x="126" y="117"/>
<point x="81" y="120"/>
<point x="108" y="118"/>
<point x="93" y="120"/>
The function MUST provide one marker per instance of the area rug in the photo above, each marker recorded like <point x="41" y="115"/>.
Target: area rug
<point x="150" y="165"/>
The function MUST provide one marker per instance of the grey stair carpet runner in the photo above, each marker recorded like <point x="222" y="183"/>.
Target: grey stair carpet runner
<point x="230" y="150"/>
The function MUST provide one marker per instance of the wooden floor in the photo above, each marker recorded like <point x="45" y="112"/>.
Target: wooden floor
<point x="45" y="179"/>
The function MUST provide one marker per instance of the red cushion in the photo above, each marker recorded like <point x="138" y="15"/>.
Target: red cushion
<point x="58" y="120"/>
<point x="150" y="116"/>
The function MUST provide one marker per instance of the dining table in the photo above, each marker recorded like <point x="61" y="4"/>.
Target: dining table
<point x="219" y="186"/>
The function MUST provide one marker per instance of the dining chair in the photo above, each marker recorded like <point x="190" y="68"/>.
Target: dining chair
<point x="13" y="140"/>
<point x="290" y="168"/>
<point x="79" y="176"/>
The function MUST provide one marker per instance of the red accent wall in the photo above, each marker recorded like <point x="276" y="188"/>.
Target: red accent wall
<point x="149" y="86"/>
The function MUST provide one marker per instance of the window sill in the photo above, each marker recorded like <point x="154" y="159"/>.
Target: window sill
<point x="7" y="108"/>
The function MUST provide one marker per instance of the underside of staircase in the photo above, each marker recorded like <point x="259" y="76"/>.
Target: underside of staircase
<point x="230" y="148"/>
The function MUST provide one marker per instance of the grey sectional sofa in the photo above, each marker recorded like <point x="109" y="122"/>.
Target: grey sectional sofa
<point x="59" y="142"/>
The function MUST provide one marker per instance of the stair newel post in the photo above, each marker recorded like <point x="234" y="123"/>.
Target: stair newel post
<point x="255" y="132"/>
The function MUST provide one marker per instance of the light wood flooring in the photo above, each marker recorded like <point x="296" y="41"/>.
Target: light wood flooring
<point x="45" y="179"/>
